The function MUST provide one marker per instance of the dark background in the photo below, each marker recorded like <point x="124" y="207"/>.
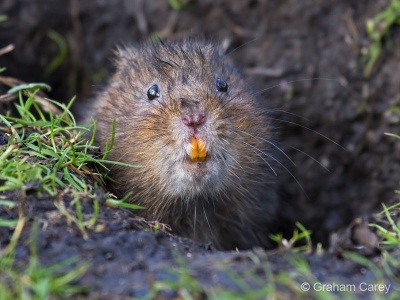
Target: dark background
<point x="281" y="45"/>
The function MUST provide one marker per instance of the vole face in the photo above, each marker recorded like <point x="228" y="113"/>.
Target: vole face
<point x="186" y="118"/>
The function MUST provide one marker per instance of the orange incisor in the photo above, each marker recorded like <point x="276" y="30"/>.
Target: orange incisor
<point x="198" y="150"/>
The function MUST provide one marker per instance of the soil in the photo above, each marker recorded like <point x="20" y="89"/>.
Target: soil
<point x="306" y="57"/>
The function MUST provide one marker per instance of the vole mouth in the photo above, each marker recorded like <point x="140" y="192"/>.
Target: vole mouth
<point x="197" y="150"/>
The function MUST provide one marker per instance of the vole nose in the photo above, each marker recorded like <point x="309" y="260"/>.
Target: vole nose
<point x="193" y="119"/>
<point x="192" y="116"/>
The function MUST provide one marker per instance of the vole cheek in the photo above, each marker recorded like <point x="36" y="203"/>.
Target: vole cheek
<point x="178" y="140"/>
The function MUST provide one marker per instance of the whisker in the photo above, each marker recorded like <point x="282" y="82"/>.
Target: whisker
<point x="195" y="220"/>
<point x="269" y="142"/>
<point x="234" y="159"/>
<point x="287" y="170"/>
<point x="239" y="168"/>
<point x="208" y="223"/>
<point x="312" y="130"/>
<point x="272" y="110"/>
<point x="242" y="45"/>
<point x="226" y="102"/>
<point x="294" y="81"/>
<point x="262" y="157"/>
<point x="291" y="174"/>
<point x="113" y="165"/>
<point x="243" y="192"/>
<point x="252" y="179"/>
<point x="309" y="156"/>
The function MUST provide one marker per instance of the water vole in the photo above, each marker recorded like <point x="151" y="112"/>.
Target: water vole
<point x="201" y="139"/>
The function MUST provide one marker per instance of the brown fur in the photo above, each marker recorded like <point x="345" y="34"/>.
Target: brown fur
<point x="230" y="199"/>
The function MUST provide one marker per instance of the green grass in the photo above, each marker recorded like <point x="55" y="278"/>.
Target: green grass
<point x="391" y="234"/>
<point x="258" y="281"/>
<point x="299" y="242"/>
<point x="62" y="54"/>
<point x="39" y="148"/>
<point x="46" y="152"/>
<point x="36" y="281"/>
<point x="389" y="231"/>
<point x="378" y="29"/>
<point x="179" y="5"/>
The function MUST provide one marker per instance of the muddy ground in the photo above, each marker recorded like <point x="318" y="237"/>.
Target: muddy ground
<point x="283" y="46"/>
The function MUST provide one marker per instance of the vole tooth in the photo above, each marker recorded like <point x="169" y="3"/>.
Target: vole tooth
<point x="198" y="150"/>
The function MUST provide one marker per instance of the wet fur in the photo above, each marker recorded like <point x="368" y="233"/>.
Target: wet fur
<point x="233" y="208"/>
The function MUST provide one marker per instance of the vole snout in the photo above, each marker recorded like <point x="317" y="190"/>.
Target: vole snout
<point x="192" y="114"/>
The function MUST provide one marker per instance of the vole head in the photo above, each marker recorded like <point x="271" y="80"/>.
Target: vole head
<point x="187" y="118"/>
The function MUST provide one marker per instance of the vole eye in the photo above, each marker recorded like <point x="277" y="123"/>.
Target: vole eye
<point x="222" y="86"/>
<point x="153" y="92"/>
